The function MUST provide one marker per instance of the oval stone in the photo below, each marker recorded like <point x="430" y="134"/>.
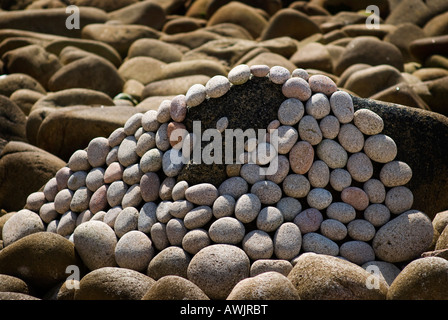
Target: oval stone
<point x="203" y="194"/>
<point x="301" y="157"/>
<point x="404" y="237"/>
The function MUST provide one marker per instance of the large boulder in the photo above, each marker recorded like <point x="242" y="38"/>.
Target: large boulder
<point x="23" y="170"/>
<point x="40" y="259"/>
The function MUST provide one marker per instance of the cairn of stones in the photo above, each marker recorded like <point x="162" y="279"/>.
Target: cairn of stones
<point x="337" y="190"/>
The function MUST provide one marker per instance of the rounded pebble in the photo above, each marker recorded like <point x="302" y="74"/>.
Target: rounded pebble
<point x="368" y="122"/>
<point x="301" y="157"/>
<point x="259" y="70"/>
<point x="175" y="231"/>
<point x="269" y="219"/>
<point x="239" y="74"/>
<point x="127" y="220"/>
<point x="203" y="194"/>
<point x="80" y="199"/>
<point x="234" y="186"/>
<point x="287" y="137"/>
<point x="51" y="189"/>
<point x="247" y="207"/>
<point x="166" y="188"/>
<point x="77" y="180"/>
<point x="355" y="197"/>
<point x="178" y="108"/>
<point x="147" y="217"/>
<point x="257" y="244"/>
<point x="198" y="217"/>
<point x="329" y="126"/>
<point x="302" y="73"/>
<point x="162" y="139"/>
<point x="95" y="179"/>
<point x="403" y="238"/>
<point x="318" y="106"/>
<point x="350" y="138"/>
<point x="360" y="167"/>
<point x="290" y="111"/>
<point x="227" y="230"/>
<point x="222" y="124"/>
<point x="319" y="198"/>
<point x="375" y="190"/>
<point x="309" y="130"/>
<point x="164" y="112"/>
<point x="289" y="208"/>
<point x="340" y="179"/>
<point x="309" y="220"/>
<point x="333" y="229"/>
<point x="62" y="200"/>
<point x="133" y="123"/>
<point x="319" y="174"/>
<point x="279" y="74"/>
<point x="35" y="201"/>
<point x="172" y="162"/>
<point x="342" y="106"/>
<point x="296" y="87"/>
<point x="22" y="223"/>
<point x="358" y="252"/>
<point x="151" y="161"/>
<point x="252" y="173"/>
<point x="176" y="132"/>
<point x="399" y="199"/>
<point x="395" y="173"/>
<point x="132" y="197"/>
<point x="377" y="214"/>
<point x="116" y="137"/>
<point x="113" y="172"/>
<point x="287" y="241"/>
<point x="149" y="121"/>
<point x="179" y="189"/>
<point x="95" y="243"/>
<point x="296" y="186"/>
<point x="195" y="240"/>
<point x="116" y="192"/>
<point x="195" y="95"/>
<point x="217" y="86"/>
<point x="149" y="186"/>
<point x="79" y="161"/>
<point x="177" y="209"/>
<point x="361" y="230"/>
<point x="127" y="151"/>
<point x="158" y="236"/>
<point x="47" y="212"/>
<point x="216" y="269"/>
<point x="323" y="84"/>
<point x="97" y="151"/>
<point x="380" y="148"/>
<point x="341" y="211"/>
<point x="332" y="153"/>
<point x="134" y="251"/>
<point x="223" y="206"/>
<point x="317" y="243"/>
<point x="132" y="174"/>
<point x="267" y="191"/>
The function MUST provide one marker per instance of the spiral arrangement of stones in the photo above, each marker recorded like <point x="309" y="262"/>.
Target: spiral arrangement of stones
<point x="325" y="196"/>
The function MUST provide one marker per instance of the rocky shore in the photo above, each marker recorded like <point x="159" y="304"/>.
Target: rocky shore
<point x="100" y="201"/>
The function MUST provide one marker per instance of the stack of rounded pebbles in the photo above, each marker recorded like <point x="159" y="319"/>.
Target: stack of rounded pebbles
<point x="337" y="188"/>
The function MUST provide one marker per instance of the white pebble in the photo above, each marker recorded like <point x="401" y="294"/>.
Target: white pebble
<point x="279" y="74"/>
<point x="217" y="86"/>
<point x="239" y="74"/>
<point x="195" y="95"/>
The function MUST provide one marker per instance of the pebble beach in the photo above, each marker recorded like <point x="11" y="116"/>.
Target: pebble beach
<point x="106" y="108"/>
